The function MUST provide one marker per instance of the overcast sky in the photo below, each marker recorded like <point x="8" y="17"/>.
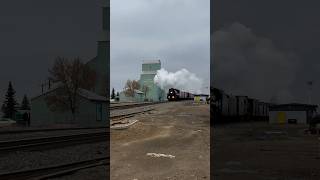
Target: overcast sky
<point x="267" y="49"/>
<point x="175" y="31"/>
<point x="285" y="33"/>
<point x="34" y="32"/>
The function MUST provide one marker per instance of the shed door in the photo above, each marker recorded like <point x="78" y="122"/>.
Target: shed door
<point x="281" y="117"/>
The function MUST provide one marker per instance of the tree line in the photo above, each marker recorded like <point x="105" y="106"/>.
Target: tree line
<point x="10" y="105"/>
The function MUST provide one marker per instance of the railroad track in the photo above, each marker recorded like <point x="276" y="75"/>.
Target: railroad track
<point x="48" y="130"/>
<point x="53" y="142"/>
<point x="116" y="119"/>
<point x="54" y="171"/>
<point x="133" y="105"/>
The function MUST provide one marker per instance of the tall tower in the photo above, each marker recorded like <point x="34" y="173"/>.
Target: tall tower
<point x="101" y="63"/>
<point x="149" y="71"/>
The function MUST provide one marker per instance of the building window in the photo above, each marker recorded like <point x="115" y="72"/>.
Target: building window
<point x="98" y="111"/>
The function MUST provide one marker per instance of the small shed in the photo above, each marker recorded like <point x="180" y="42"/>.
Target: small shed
<point x="91" y="111"/>
<point x="293" y="113"/>
<point x="200" y="98"/>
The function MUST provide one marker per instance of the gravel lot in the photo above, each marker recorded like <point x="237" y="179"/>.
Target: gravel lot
<point x="259" y="151"/>
<point x="178" y="132"/>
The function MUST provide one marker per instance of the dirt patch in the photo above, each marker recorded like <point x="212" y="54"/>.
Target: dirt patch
<point x="174" y="129"/>
<point x="264" y="151"/>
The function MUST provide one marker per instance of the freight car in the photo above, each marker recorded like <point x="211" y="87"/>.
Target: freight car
<point x="176" y="95"/>
<point x="230" y="108"/>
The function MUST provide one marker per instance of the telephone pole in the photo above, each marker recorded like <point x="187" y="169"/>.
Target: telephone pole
<point x="310" y="83"/>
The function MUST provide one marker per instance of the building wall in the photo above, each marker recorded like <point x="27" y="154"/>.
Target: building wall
<point x="149" y="71"/>
<point x="100" y="64"/>
<point x="151" y="67"/>
<point x="41" y="115"/>
<point x="282" y="117"/>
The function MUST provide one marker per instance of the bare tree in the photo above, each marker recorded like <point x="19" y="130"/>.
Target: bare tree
<point x="71" y="75"/>
<point x="145" y="90"/>
<point x="130" y="87"/>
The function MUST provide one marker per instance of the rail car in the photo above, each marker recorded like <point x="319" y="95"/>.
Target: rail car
<point x="230" y="108"/>
<point x="177" y="95"/>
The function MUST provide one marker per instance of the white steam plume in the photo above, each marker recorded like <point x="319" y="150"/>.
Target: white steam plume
<point x="182" y="80"/>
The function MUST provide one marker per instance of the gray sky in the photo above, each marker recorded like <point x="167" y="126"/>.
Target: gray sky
<point x="267" y="49"/>
<point x="34" y="32"/>
<point x="175" y="31"/>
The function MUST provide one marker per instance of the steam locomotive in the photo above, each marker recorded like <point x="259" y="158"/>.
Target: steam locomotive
<point x="176" y="95"/>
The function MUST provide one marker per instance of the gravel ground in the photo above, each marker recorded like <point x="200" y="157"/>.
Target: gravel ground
<point x="96" y="173"/>
<point x="10" y="137"/>
<point x="262" y="151"/>
<point x="20" y="160"/>
<point x="177" y="132"/>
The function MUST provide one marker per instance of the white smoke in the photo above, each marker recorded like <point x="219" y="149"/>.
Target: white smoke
<point x="182" y="80"/>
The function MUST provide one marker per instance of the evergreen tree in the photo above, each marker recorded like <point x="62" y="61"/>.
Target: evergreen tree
<point x="9" y="106"/>
<point x="25" y="105"/>
<point x="113" y="95"/>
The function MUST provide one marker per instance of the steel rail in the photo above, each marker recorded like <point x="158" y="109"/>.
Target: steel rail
<point x="55" y="171"/>
<point x="54" y="141"/>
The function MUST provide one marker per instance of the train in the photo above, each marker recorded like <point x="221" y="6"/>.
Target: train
<point x="176" y="95"/>
<point x="230" y="108"/>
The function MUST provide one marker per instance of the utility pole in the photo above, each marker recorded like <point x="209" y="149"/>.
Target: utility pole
<point x="310" y="83"/>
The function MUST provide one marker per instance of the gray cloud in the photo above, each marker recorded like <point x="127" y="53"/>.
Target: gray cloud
<point x="292" y="26"/>
<point x="34" y="32"/>
<point x="177" y="32"/>
<point x="246" y="64"/>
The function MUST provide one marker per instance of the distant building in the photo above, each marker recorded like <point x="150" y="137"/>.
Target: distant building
<point x="200" y="98"/>
<point x="91" y="111"/>
<point x="291" y="113"/>
<point x="149" y="71"/>
<point x="154" y="92"/>
<point x="100" y="63"/>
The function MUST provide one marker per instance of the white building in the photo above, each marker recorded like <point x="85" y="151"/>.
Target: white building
<point x="91" y="111"/>
<point x="291" y="113"/>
